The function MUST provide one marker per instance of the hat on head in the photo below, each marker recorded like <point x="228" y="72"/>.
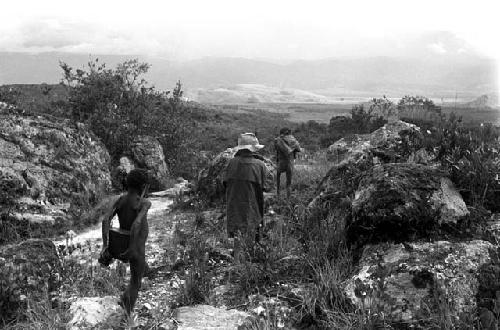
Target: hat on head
<point x="248" y="141"/>
<point x="285" y="131"/>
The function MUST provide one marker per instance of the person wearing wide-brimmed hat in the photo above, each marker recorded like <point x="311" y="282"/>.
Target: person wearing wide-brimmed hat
<point x="244" y="181"/>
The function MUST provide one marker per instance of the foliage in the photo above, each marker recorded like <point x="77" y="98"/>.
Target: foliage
<point x="119" y="105"/>
<point x="418" y="108"/>
<point x="470" y="154"/>
<point x="365" y="118"/>
<point x="37" y="98"/>
<point x="9" y="95"/>
<point x="313" y="135"/>
<point x="417" y="102"/>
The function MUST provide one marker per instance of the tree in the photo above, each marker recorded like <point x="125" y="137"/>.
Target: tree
<point x="418" y="108"/>
<point x="118" y="105"/>
<point x="382" y="107"/>
<point x="366" y="121"/>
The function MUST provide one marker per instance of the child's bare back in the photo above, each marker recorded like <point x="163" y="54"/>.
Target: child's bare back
<point x="130" y="206"/>
<point x="132" y="209"/>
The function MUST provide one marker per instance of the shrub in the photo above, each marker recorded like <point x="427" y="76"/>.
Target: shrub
<point x="470" y="154"/>
<point x="418" y="108"/>
<point x="119" y="105"/>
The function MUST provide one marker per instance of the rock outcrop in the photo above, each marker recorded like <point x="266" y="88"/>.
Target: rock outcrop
<point x="384" y="144"/>
<point x="396" y="201"/>
<point x="147" y="153"/>
<point x="30" y="269"/>
<point x="54" y="164"/>
<point x="210" y="179"/>
<point x="415" y="281"/>
<point x="401" y="213"/>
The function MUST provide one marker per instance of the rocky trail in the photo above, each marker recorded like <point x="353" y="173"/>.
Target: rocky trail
<point x="156" y="291"/>
<point x="161" y="287"/>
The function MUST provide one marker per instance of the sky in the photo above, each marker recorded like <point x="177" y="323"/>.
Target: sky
<point x="280" y="30"/>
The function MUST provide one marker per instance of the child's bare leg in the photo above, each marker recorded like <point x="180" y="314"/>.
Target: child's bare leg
<point x="138" y="265"/>
<point x="129" y="297"/>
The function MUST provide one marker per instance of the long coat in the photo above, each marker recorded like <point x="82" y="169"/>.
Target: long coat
<point x="244" y="180"/>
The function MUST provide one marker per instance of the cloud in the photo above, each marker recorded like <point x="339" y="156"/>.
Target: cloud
<point x="437" y="48"/>
<point x="53" y="34"/>
<point x="245" y="31"/>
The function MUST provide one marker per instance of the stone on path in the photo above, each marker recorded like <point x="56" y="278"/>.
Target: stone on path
<point x="95" y="311"/>
<point x="206" y="317"/>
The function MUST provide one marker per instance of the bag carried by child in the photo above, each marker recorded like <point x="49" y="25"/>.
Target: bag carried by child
<point x="119" y="241"/>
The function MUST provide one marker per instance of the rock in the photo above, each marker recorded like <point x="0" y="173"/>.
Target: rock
<point x="395" y="201"/>
<point x="421" y="156"/>
<point x="28" y="269"/>
<point x="205" y="317"/>
<point x="210" y="179"/>
<point x="493" y="229"/>
<point x="407" y="282"/>
<point x="99" y="312"/>
<point x="168" y="325"/>
<point x="225" y="295"/>
<point x="54" y="165"/>
<point x="179" y="189"/>
<point x="383" y="144"/>
<point x="119" y="173"/>
<point x="126" y="165"/>
<point x="147" y="153"/>
<point x="449" y="202"/>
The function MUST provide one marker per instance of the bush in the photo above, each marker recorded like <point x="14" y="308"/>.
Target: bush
<point x="119" y="105"/>
<point x="418" y="108"/>
<point x="470" y="154"/>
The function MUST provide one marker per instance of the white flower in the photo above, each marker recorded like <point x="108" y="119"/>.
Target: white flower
<point x="259" y="310"/>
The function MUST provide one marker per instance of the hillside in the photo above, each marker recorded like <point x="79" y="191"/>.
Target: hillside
<point x="436" y="77"/>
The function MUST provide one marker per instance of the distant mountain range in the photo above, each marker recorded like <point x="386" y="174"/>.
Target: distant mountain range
<point x="437" y="77"/>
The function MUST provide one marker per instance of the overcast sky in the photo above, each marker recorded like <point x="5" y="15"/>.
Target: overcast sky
<point x="188" y="29"/>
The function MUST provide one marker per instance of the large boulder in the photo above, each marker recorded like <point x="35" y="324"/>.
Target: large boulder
<point x="411" y="282"/>
<point x="392" y="201"/>
<point x="147" y="153"/>
<point x="52" y="163"/>
<point x="401" y="200"/>
<point x="384" y="144"/>
<point x="30" y="269"/>
<point x="210" y="179"/>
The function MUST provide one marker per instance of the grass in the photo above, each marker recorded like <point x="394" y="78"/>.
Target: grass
<point x="40" y="315"/>
<point x="78" y="278"/>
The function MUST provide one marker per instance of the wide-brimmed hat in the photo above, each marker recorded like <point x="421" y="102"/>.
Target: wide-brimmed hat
<point x="248" y="141"/>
